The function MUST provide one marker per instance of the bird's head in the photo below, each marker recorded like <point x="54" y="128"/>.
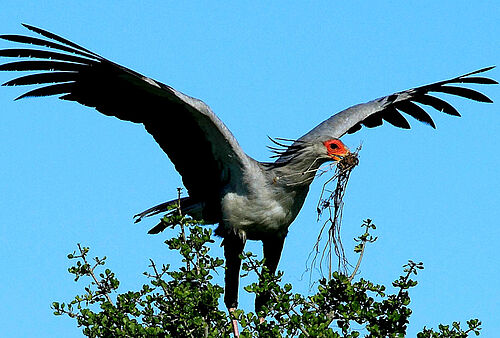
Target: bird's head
<point x="335" y="150"/>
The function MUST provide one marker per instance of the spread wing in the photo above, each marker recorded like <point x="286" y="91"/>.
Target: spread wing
<point x="201" y="147"/>
<point x="390" y="108"/>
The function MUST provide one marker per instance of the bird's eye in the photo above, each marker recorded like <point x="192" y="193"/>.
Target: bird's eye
<point x="333" y="146"/>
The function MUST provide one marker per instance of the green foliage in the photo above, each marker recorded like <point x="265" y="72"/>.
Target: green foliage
<point x="455" y="332"/>
<point x="185" y="302"/>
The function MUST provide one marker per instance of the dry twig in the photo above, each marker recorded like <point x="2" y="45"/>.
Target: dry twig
<point x="333" y="204"/>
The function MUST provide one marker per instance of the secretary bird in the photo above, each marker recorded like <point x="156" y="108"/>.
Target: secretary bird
<point x="246" y="198"/>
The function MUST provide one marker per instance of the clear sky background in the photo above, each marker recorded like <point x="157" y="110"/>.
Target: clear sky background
<point x="69" y="175"/>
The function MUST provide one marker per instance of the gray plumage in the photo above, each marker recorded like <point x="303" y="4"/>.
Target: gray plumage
<point x="247" y="198"/>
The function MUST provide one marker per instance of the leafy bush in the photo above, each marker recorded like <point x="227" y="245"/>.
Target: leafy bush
<point x="185" y="302"/>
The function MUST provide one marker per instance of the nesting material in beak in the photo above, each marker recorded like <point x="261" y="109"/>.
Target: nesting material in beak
<point x="334" y="206"/>
<point x="349" y="161"/>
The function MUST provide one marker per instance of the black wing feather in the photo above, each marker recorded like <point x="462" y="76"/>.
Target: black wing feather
<point x="56" y="89"/>
<point x="45" y="43"/>
<point x="476" y="80"/>
<point x="463" y="92"/>
<point x="55" y="37"/>
<point x="437" y="104"/>
<point x="41" y="65"/>
<point x="416" y="112"/>
<point x="354" y="128"/>
<point x="41" y="54"/>
<point x="373" y="121"/>
<point x="395" y="118"/>
<point x="43" y="78"/>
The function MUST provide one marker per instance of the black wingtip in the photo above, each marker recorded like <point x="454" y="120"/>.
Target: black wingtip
<point x="38" y="30"/>
<point x="482" y="70"/>
<point x="25" y="95"/>
<point x="486" y="68"/>
<point x="58" y="38"/>
<point x="30" y="27"/>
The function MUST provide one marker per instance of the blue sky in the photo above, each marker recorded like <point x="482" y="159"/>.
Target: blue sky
<point x="70" y="175"/>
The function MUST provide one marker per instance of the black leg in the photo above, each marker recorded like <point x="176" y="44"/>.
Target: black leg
<point x="272" y="253"/>
<point x="233" y="247"/>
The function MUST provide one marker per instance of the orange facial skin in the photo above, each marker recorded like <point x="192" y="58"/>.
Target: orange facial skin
<point x="336" y="149"/>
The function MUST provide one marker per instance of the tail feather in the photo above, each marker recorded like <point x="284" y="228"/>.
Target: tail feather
<point x="187" y="205"/>
<point x="161" y="208"/>
<point x="158" y="228"/>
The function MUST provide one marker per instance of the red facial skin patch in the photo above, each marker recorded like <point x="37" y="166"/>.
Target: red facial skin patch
<point x="336" y="149"/>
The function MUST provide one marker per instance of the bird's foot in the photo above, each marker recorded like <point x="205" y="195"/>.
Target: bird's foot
<point x="234" y="323"/>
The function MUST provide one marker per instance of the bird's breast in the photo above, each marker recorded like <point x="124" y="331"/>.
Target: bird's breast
<point x="263" y="212"/>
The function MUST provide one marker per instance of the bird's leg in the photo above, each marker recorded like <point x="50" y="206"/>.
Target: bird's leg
<point x="233" y="248"/>
<point x="272" y="252"/>
<point x="234" y="322"/>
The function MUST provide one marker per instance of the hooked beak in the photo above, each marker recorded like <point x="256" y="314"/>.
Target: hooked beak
<point x="341" y="154"/>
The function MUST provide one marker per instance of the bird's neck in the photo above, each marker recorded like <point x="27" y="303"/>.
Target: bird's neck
<point x="296" y="172"/>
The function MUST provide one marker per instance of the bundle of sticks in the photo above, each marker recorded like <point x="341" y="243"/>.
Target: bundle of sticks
<point x="331" y="203"/>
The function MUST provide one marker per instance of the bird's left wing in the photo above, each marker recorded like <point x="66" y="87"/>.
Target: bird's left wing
<point x="201" y="147"/>
<point x="389" y="108"/>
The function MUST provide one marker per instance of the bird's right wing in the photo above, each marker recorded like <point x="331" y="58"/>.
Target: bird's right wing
<point x="389" y="108"/>
<point x="200" y="146"/>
